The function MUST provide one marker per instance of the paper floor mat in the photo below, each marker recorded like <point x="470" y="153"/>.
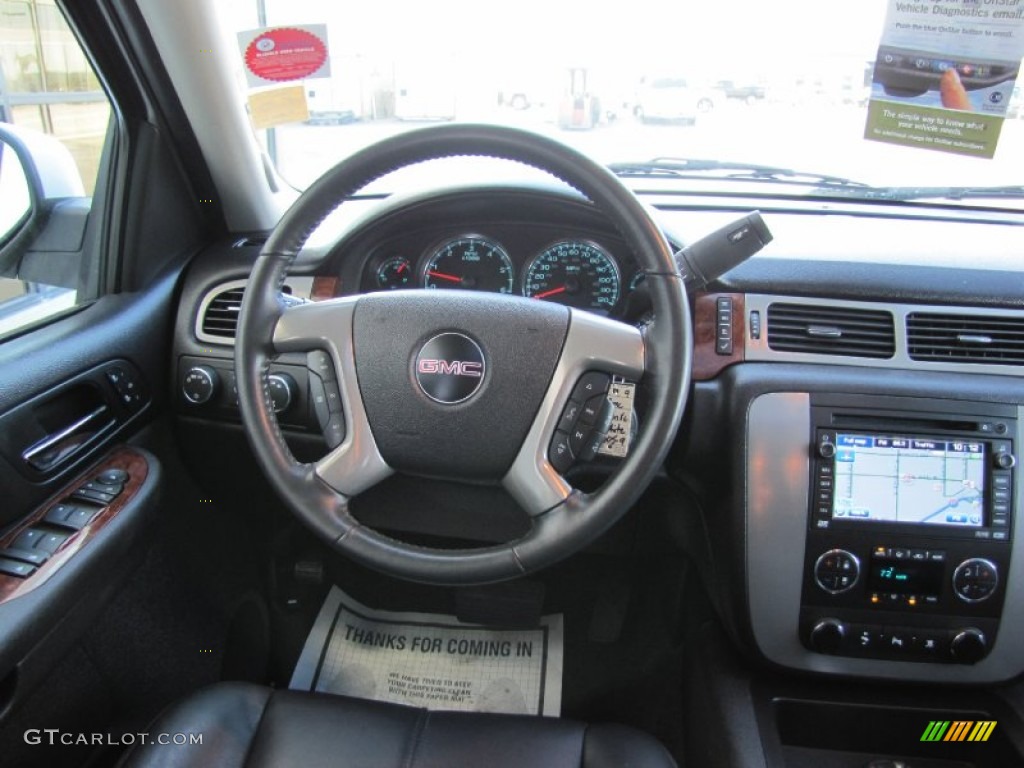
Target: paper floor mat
<point x="431" y="660"/>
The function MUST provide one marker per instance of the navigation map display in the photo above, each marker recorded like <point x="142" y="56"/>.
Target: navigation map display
<point x="906" y="479"/>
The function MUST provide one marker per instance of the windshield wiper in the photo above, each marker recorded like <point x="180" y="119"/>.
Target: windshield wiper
<point x="901" y="194"/>
<point x="693" y="168"/>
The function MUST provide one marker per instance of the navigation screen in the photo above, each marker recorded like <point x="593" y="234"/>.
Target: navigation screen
<point x="900" y="479"/>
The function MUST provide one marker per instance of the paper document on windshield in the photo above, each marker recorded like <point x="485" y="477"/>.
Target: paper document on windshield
<point x="431" y="660"/>
<point x="944" y="74"/>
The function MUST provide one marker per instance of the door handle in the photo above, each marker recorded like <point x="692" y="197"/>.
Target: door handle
<point x="65" y="443"/>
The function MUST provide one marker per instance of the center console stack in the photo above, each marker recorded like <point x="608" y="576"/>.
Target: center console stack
<point x="909" y="530"/>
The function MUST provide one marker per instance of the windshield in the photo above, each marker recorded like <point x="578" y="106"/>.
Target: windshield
<point x="905" y="96"/>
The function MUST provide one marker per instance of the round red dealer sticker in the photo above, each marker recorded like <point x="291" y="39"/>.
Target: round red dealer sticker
<point x="285" y="54"/>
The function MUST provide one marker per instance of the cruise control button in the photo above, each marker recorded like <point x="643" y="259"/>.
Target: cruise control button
<point x="560" y="453"/>
<point x="590" y="384"/>
<point x="334" y="432"/>
<point x="318" y="396"/>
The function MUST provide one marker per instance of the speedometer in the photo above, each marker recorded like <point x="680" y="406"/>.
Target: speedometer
<point x="472" y="263"/>
<point x="575" y="273"/>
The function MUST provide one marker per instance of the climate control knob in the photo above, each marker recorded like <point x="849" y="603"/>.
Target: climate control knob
<point x="836" y="571"/>
<point x="282" y="391"/>
<point x="200" y="384"/>
<point x="827" y="636"/>
<point x="969" y="646"/>
<point x="975" y="580"/>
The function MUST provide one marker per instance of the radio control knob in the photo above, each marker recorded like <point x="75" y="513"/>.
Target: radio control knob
<point x="827" y="636"/>
<point x="1004" y="460"/>
<point x="975" y="580"/>
<point x="969" y="646"/>
<point x="200" y="384"/>
<point x="826" y="450"/>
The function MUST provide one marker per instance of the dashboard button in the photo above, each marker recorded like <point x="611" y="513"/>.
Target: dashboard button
<point x="30" y="556"/>
<point x="112" y="477"/>
<point x="15" y="568"/>
<point x="50" y="542"/>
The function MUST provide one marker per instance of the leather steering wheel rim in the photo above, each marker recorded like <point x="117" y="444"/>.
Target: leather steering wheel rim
<point x="577" y="519"/>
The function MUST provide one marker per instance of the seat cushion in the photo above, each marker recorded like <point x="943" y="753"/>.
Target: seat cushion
<point x="248" y="725"/>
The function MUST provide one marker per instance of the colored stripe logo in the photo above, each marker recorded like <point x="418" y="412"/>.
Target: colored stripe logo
<point x="958" y="730"/>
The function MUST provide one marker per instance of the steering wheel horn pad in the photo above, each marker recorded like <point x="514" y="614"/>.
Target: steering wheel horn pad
<point x="478" y="438"/>
<point x="532" y="354"/>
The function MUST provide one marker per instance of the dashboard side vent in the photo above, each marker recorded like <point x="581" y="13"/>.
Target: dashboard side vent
<point x="221" y="316"/>
<point x="828" y="330"/>
<point x="992" y="339"/>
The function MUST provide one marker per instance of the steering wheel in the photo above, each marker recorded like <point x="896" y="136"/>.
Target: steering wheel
<point x="462" y="385"/>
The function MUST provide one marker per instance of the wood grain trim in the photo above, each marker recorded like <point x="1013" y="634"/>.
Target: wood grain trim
<point x="707" y="363"/>
<point x="127" y="459"/>
<point x="325" y="288"/>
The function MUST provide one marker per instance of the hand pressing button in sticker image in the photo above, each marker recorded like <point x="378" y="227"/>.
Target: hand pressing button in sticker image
<point x="952" y="91"/>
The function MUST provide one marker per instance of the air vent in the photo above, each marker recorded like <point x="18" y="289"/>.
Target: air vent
<point x="221" y="316"/>
<point x="826" y="330"/>
<point x="992" y="339"/>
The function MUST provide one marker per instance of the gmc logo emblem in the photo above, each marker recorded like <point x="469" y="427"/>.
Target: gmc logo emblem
<point x="451" y="368"/>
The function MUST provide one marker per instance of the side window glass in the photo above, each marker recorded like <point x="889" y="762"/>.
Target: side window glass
<point x="53" y="124"/>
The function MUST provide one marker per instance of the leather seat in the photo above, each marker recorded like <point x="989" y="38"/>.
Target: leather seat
<point x="249" y="725"/>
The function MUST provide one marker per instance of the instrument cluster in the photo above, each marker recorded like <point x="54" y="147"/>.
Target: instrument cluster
<point x="576" y="271"/>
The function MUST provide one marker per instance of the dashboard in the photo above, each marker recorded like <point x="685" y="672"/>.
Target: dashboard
<point x="852" y="447"/>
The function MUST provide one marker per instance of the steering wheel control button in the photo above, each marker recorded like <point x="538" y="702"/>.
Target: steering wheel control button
<point x="560" y="453"/>
<point x="334" y="432"/>
<point x="590" y="384"/>
<point x="450" y="368"/>
<point x="975" y="580"/>
<point x="569" y="416"/>
<point x="836" y="571"/>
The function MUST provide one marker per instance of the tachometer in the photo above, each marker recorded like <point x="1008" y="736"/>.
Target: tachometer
<point x="471" y="263"/>
<point x="576" y="273"/>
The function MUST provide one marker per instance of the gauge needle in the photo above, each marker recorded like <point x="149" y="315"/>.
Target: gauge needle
<point x="443" y="276"/>
<point x="402" y="268"/>
<point x="552" y="292"/>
